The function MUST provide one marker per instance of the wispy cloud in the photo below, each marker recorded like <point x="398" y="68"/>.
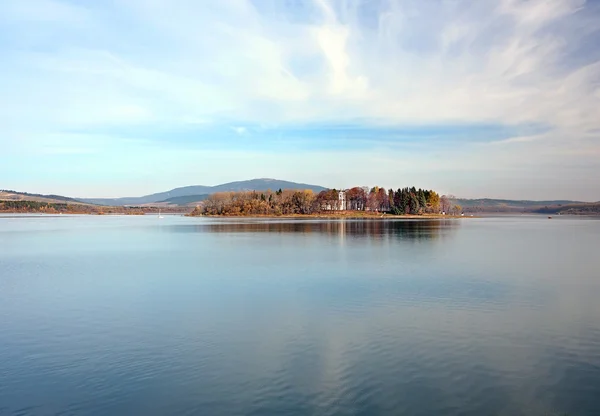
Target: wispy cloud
<point x="345" y="76"/>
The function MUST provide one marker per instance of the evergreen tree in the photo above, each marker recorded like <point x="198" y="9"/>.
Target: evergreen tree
<point x="405" y="201"/>
<point x="414" y="203"/>
<point x="398" y="200"/>
<point x="422" y="198"/>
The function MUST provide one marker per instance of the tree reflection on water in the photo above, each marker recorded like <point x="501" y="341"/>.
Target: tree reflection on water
<point x="373" y="229"/>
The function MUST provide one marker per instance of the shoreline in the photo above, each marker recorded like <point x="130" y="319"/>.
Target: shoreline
<point x="340" y="215"/>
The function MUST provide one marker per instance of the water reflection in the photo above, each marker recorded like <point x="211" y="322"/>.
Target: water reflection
<point x="402" y="229"/>
<point x="185" y="315"/>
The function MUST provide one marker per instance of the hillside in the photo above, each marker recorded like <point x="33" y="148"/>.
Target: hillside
<point x="584" y="208"/>
<point x="263" y="184"/>
<point x="42" y="207"/>
<point x="185" y="200"/>
<point x="506" y="205"/>
<point x="6" y="195"/>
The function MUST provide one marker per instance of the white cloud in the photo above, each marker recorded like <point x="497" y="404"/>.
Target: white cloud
<point x="229" y="58"/>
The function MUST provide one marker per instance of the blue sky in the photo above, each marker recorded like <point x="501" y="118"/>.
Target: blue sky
<point x="129" y="97"/>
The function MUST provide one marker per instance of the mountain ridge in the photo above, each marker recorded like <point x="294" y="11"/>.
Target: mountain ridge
<point x="259" y="184"/>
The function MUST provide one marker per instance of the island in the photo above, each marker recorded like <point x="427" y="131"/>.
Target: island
<point x="357" y="202"/>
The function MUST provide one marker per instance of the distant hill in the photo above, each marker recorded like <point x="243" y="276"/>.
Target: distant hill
<point x="6" y="195"/>
<point x="584" y="208"/>
<point x="508" y="202"/>
<point x="508" y="205"/>
<point x="149" y="199"/>
<point x="263" y="184"/>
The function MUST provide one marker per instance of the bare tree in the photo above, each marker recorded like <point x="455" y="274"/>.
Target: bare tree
<point x="445" y="204"/>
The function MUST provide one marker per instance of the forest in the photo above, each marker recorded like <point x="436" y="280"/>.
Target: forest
<point x="402" y="201"/>
<point x="34" y="206"/>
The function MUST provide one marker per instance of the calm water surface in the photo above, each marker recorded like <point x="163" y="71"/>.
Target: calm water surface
<point x="147" y="316"/>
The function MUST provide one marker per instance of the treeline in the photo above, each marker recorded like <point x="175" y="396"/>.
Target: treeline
<point x="57" y="208"/>
<point x="33" y="206"/>
<point x="399" y="202"/>
<point x="289" y="202"/>
<point x="281" y="202"/>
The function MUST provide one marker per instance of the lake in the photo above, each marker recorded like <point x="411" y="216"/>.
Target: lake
<point x="114" y="315"/>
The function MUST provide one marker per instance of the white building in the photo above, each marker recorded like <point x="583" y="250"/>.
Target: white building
<point x="340" y="206"/>
<point x="342" y="197"/>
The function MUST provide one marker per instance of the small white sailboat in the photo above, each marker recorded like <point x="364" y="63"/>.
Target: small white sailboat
<point x="159" y="216"/>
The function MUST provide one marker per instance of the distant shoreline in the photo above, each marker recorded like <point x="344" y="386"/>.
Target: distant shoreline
<point x="336" y="215"/>
<point x="100" y="214"/>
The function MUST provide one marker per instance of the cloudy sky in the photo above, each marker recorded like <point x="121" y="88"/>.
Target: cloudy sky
<point x="496" y="98"/>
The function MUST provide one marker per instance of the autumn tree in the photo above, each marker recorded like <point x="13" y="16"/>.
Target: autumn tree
<point x="356" y="199"/>
<point x="302" y="201"/>
<point x="328" y="200"/>
<point x="377" y="199"/>
<point x="433" y="201"/>
<point x="383" y="200"/>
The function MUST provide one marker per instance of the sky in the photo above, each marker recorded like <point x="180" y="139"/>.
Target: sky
<point x="490" y="98"/>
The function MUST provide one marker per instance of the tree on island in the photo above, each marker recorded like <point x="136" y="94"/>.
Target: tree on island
<point x="445" y="204"/>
